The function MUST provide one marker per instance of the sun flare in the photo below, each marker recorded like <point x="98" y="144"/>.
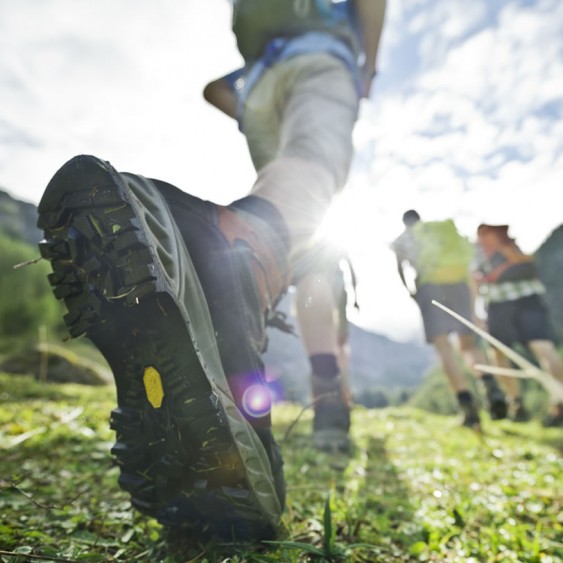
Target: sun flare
<point x="340" y="224"/>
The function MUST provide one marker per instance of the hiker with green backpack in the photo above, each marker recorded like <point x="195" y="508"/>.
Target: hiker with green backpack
<point x="441" y="259"/>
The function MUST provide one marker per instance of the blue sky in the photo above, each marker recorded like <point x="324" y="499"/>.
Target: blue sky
<point x="465" y="120"/>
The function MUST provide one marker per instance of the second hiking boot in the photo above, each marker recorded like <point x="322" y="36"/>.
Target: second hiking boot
<point x="331" y="420"/>
<point x="517" y="411"/>
<point x="176" y="295"/>
<point x="470" y="412"/>
<point x="496" y="399"/>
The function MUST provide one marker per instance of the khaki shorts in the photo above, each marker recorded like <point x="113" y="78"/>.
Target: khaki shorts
<point x="303" y="107"/>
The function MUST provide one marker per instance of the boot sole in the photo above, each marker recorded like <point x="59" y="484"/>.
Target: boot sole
<point x="186" y="454"/>
<point x="498" y="409"/>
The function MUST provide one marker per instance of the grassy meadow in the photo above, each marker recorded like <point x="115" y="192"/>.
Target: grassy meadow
<point x="416" y="487"/>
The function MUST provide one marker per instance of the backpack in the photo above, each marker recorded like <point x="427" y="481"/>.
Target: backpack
<point x="504" y="260"/>
<point x="256" y="22"/>
<point x="442" y="255"/>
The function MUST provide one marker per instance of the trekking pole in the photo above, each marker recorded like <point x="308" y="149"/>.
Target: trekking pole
<point x="527" y="369"/>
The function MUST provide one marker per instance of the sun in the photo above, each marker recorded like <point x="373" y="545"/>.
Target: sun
<point x="340" y="225"/>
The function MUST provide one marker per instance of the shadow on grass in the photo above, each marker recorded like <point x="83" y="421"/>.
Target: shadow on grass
<point x="371" y="503"/>
<point x="552" y="437"/>
<point x="384" y="497"/>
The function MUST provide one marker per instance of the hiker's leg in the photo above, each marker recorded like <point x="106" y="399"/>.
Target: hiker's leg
<point x="316" y="312"/>
<point x="510" y="384"/>
<point x="437" y="327"/>
<point x="503" y="325"/>
<point x="457" y="296"/>
<point x="316" y="315"/>
<point x="450" y="363"/>
<point x="550" y="361"/>
<point x="298" y="122"/>
<point x="344" y="352"/>
<point x="535" y="329"/>
<point x="457" y="380"/>
<point x="548" y="358"/>
<point x="472" y="354"/>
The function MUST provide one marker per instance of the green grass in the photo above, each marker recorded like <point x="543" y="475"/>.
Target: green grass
<point x="417" y="487"/>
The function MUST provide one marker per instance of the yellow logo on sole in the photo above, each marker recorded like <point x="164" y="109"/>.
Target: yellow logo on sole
<point x="153" y="387"/>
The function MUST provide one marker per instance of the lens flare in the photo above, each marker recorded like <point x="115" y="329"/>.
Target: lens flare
<point x="257" y="401"/>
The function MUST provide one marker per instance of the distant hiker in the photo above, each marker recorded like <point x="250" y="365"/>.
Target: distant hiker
<point x="441" y="259"/>
<point x="516" y="310"/>
<point x="177" y="292"/>
<point x="321" y="301"/>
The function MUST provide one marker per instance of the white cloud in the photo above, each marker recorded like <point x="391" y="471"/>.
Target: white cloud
<point x="122" y="80"/>
<point x="474" y="113"/>
<point x="509" y="70"/>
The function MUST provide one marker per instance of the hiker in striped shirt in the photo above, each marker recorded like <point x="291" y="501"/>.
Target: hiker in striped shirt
<point x="516" y="311"/>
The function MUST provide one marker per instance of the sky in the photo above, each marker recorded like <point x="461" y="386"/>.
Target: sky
<point x="465" y="119"/>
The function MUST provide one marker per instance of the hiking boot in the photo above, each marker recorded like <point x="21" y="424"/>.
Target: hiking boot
<point x="554" y="419"/>
<point x="131" y="275"/>
<point x="331" y="420"/>
<point x="517" y="411"/>
<point x="470" y="416"/>
<point x="496" y="399"/>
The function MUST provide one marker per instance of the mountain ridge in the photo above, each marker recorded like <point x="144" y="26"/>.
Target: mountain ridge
<point x="18" y="219"/>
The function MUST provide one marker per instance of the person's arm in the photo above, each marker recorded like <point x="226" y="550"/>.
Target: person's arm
<point x="221" y="94"/>
<point x="477" y="285"/>
<point x="401" y="271"/>
<point x="371" y="15"/>
<point x="353" y="281"/>
<point x="515" y="255"/>
<point x="403" y="248"/>
<point x="479" y="305"/>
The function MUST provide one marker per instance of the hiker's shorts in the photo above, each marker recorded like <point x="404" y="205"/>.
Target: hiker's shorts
<point x="520" y="321"/>
<point x="303" y="107"/>
<point x="455" y="296"/>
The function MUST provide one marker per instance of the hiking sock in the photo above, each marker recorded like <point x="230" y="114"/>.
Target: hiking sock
<point x="554" y="417"/>
<point x="518" y="412"/>
<point x="464" y="398"/>
<point x="267" y="212"/>
<point x="324" y="365"/>
<point x="469" y="409"/>
<point x="487" y="378"/>
<point x="331" y="420"/>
